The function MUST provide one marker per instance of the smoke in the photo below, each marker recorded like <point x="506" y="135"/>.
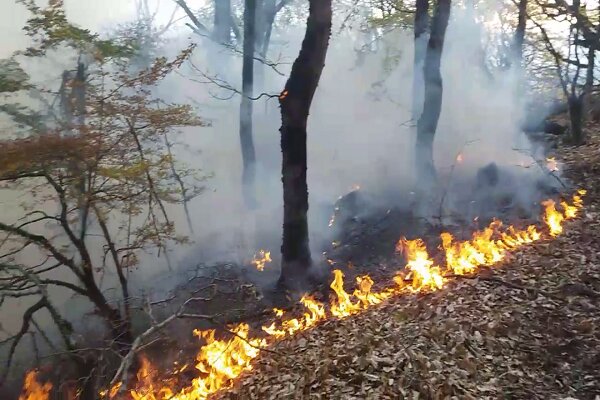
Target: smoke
<point x="360" y="132"/>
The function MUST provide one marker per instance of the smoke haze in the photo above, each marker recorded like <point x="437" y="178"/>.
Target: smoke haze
<point x="360" y="132"/>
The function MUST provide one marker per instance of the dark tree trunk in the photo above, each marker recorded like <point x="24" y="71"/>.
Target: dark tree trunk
<point x="88" y="376"/>
<point x="248" y="152"/>
<point x="120" y="328"/>
<point x="79" y="93"/>
<point x="589" y="80"/>
<point x="222" y="21"/>
<point x="295" y="101"/>
<point x="421" y="22"/>
<point x="576" y="118"/>
<point x="517" y="50"/>
<point x="432" y="106"/>
<point x="589" y="77"/>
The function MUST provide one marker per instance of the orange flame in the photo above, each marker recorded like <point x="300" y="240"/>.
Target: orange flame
<point x="261" y="259"/>
<point x="221" y="361"/>
<point x="342" y="306"/>
<point x="33" y="390"/>
<point x="553" y="218"/>
<point x="315" y="313"/>
<point x="425" y="275"/>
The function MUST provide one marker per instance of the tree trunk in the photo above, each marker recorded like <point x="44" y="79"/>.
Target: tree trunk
<point x="79" y="93"/>
<point x="264" y="21"/>
<point x="421" y="22"/>
<point x="222" y="22"/>
<point x="589" y="81"/>
<point x="576" y="118"/>
<point x="248" y="152"/>
<point x="295" y="101"/>
<point x="271" y="10"/>
<point x="432" y="106"/>
<point x="517" y="50"/>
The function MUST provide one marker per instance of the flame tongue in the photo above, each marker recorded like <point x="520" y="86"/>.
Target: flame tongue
<point x="342" y="306"/>
<point x="553" y="218"/>
<point x="33" y="390"/>
<point x="425" y="275"/>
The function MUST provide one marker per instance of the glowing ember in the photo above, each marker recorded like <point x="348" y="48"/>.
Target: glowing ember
<point x="261" y="259"/>
<point x="33" y="390"/>
<point x="551" y="164"/>
<point x="112" y="392"/>
<point x="459" y="158"/>
<point x="221" y="361"/>
<point x="332" y="219"/>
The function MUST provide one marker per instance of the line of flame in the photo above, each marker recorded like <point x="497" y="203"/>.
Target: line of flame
<point x="221" y="361"/>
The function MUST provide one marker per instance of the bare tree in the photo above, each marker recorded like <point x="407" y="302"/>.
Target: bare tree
<point x="432" y="105"/>
<point x="295" y="101"/>
<point x="420" y="29"/>
<point x="517" y="50"/>
<point x="106" y="162"/>
<point x="246" y="140"/>
<point x="223" y="22"/>
<point x="575" y="75"/>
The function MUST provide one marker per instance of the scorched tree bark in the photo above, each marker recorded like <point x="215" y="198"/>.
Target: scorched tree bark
<point x="432" y="106"/>
<point x="295" y="101"/>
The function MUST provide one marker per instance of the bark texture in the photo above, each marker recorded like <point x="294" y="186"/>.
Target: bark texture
<point x="432" y="106"/>
<point x="576" y="117"/>
<point x="295" y="101"/>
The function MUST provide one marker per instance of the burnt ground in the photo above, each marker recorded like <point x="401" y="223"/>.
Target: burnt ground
<point x="526" y="329"/>
<point x="364" y="242"/>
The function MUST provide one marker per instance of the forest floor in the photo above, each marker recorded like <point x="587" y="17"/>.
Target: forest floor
<point x="528" y="328"/>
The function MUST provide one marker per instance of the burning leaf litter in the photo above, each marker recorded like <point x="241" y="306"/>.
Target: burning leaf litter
<point x="221" y="361"/>
<point x="261" y="259"/>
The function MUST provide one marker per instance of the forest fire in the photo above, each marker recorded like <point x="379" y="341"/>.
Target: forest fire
<point x="33" y="389"/>
<point x="221" y="360"/>
<point x="261" y="259"/>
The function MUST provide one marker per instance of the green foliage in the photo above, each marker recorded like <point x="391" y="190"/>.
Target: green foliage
<point x="105" y="157"/>
<point x="392" y="14"/>
<point x="12" y="77"/>
<point x="49" y="28"/>
<point x="114" y="49"/>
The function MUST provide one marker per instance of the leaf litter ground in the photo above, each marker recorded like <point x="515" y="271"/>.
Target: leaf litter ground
<point x="528" y="328"/>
